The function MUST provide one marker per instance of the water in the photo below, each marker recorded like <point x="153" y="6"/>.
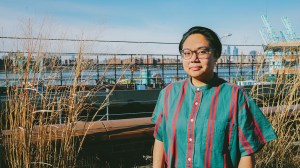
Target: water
<point x="140" y="76"/>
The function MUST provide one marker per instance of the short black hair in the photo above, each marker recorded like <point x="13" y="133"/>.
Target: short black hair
<point x="211" y="36"/>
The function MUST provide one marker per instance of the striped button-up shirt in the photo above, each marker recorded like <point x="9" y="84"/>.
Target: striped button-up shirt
<point x="209" y="126"/>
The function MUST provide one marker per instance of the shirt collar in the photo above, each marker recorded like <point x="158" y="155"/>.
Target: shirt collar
<point x="215" y="81"/>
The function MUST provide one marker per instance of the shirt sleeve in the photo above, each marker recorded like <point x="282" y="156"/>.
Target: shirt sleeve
<point x="254" y="129"/>
<point x="157" y="117"/>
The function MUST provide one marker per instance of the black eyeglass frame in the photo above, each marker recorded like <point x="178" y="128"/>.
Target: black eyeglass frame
<point x="199" y="53"/>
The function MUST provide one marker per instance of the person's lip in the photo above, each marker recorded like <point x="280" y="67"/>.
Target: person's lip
<point x="195" y="68"/>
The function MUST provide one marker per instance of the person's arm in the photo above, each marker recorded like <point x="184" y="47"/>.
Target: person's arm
<point x="247" y="162"/>
<point x="158" y="154"/>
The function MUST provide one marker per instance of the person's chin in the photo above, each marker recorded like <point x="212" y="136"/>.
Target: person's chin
<point x="196" y="74"/>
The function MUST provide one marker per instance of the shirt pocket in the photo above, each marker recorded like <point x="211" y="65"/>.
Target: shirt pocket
<point x="213" y="135"/>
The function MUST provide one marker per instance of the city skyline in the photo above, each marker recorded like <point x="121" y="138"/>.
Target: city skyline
<point x="141" y="21"/>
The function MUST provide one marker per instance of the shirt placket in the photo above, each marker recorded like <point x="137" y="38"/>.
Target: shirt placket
<point x="191" y="128"/>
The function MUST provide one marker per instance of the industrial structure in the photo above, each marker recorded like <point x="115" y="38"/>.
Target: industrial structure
<point x="281" y="52"/>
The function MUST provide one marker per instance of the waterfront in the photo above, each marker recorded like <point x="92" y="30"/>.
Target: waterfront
<point x="55" y="97"/>
<point x="79" y="79"/>
<point x="140" y="77"/>
<point x="94" y="108"/>
<point x="142" y="70"/>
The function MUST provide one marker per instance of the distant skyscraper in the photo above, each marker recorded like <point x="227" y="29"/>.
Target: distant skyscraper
<point x="228" y="51"/>
<point x="253" y="53"/>
<point x="235" y="51"/>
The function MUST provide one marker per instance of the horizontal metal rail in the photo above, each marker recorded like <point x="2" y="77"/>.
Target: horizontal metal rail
<point x="116" y="129"/>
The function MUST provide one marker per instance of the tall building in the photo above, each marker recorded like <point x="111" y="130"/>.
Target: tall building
<point x="227" y="55"/>
<point x="235" y="54"/>
<point x="235" y="51"/>
<point x="228" y="51"/>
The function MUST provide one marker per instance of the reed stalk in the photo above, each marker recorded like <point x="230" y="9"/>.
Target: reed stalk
<point x="285" y="151"/>
<point x="39" y="115"/>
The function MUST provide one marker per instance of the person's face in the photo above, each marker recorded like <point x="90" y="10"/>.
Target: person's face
<point x="199" y="67"/>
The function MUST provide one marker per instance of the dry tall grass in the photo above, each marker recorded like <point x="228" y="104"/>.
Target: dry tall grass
<point x="31" y="112"/>
<point x="285" y="119"/>
<point x="34" y="104"/>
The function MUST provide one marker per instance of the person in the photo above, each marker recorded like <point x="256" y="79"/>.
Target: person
<point x="205" y="121"/>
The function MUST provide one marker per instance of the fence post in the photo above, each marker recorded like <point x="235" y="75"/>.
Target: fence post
<point x="241" y="72"/>
<point x="177" y="74"/>
<point x="147" y="76"/>
<point x="131" y="70"/>
<point x="61" y="77"/>
<point x="115" y="58"/>
<point x="162" y="69"/>
<point x="98" y="76"/>
<point x="59" y="114"/>
<point x="228" y="62"/>
<point x="107" y="101"/>
<point x="252" y="68"/>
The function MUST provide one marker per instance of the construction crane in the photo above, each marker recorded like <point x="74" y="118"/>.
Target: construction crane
<point x="267" y="32"/>
<point x="289" y="29"/>
<point x="282" y="36"/>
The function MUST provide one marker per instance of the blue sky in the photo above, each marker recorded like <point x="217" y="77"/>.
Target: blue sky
<point x="146" y="20"/>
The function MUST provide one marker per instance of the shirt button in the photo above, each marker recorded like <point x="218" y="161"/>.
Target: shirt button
<point x="196" y="103"/>
<point x="190" y="139"/>
<point x="198" y="89"/>
<point x="192" y="120"/>
<point x="189" y="159"/>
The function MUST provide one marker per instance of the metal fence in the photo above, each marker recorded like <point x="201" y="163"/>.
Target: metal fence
<point x="132" y="70"/>
<point x="136" y="65"/>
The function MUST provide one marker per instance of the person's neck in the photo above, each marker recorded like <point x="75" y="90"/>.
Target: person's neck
<point x="202" y="81"/>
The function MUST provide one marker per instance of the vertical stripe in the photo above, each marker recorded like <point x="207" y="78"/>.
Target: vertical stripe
<point x="191" y="129"/>
<point x="225" y="160"/>
<point x="173" y="151"/>
<point x="245" y="95"/>
<point x="233" y="110"/>
<point x="258" y="132"/>
<point x="257" y="129"/>
<point x="244" y="105"/>
<point x="173" y="144"/>
<point x="166" y="101"/>
<point x="165" y="156"/>
<point x="176" y="157"/>
<point x="157" y="124"/>
<point x="244" y="142"/>
<point x="210" y="128"/>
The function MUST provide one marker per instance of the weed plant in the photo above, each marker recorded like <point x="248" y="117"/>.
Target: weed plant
<point x="280" y="102"/>
<point x="39" y="116"/>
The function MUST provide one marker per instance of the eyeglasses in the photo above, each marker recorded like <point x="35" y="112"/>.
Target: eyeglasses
<point x="201" y="53"/>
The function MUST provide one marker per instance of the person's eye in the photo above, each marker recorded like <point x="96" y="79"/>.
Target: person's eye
<point x="202" y="51"/>
<point x="187" y="52"/>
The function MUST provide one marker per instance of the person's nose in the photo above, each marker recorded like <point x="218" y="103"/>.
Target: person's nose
<point x="194" y="58"/>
